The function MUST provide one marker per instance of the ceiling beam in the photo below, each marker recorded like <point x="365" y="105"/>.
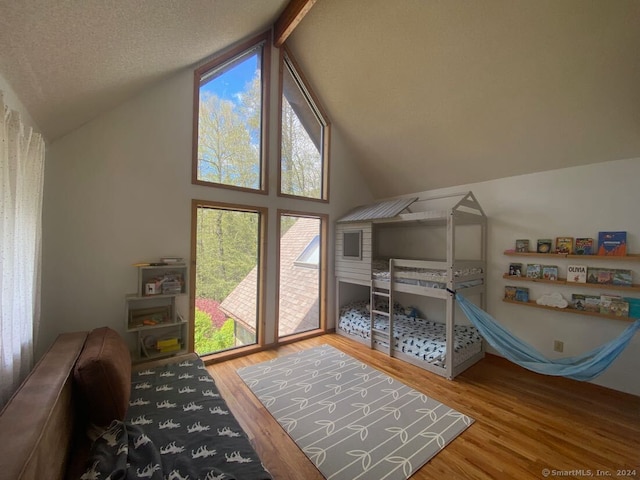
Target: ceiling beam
<point x="292" y="15"/>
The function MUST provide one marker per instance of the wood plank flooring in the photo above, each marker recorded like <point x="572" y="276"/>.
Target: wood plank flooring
<point x="525" y="422"/>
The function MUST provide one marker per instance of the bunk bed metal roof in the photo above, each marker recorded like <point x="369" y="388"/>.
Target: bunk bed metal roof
<point x="377" y="211"/>
<point x="463" y="206"/>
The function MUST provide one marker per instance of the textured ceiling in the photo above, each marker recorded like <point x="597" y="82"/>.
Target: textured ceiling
<point x="431" y="94"/>
<point x="69" y="61"/>
<point x="425" y="93"/>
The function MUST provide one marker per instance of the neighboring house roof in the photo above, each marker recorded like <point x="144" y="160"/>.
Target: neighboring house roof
<point x="299" y="294"/>
<point x="299" y="285"/>
<point x="241" y="304"/>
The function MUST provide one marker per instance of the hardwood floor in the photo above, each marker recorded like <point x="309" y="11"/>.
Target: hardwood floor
<point x="524" y="422"/>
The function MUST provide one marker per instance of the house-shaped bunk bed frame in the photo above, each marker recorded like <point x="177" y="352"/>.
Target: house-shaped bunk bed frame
<point x="357" y="264"/>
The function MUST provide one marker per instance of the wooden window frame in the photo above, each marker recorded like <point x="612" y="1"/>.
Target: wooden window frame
<point x="322" y="272"/>
<point x="218" y="60"/>
<point x="261" y="277"/>
<point x="316" y="106"/>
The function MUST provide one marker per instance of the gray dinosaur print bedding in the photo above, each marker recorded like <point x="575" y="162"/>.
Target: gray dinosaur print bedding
<point x="177" y="427"/>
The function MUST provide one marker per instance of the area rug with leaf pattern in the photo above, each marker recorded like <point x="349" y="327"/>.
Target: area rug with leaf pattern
<point x="351" y="420"/>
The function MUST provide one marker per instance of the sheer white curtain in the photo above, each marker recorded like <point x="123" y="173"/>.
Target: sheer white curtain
<point x="21" y="180"/>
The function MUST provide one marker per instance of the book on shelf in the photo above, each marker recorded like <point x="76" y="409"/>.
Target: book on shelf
<point x="584" y="246"/>
<point x="533" y="270"/>
<point x="634" y="306"/>
<point x="614" y="305"/>
<point x="577" y="273"/>
<point x="522" y="294"/>
<point x="603" y="276"/>
<point x="522" y="245"/>
<point x="619" y="308"/>
<point x="515" y="269"/>
<point x="622" y="277"/>
<point x="510" y="292"/>
<point x="550" y="272"/>
<point x="545" y="245"/>
<point x="612" y="243"/>
<point x="592" y="303"/>
<point x="577" y="301"/>
<point x="564" y="245"/>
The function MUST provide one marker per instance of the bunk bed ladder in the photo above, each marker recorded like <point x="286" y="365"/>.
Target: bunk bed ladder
<point x="384" y="293"/>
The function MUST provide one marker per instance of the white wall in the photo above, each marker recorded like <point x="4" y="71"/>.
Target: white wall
<point x="118" y="191"/>
<point x="14" y="103"/>
<point x="576" y="202"/>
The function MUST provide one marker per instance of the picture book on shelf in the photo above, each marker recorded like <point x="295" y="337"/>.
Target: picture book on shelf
<point x="619" y="308"/>
<point x="612" y="243"/>
<point x="515" y="269"/>
<point x="622" y="277"/>
<point x="522" y="245"/>
<point x="592" y="303"/>
<point x="522" y="294"/>
<point x="605" y="303"/>
<point x="577" y="273"/>
<point x="577" y="301"/>
<point x="545" y="245"/>
<point x="550" y="272"/>
<point x="603" y="276"/>
<point x="614" y="305"/>
<point x="564" y="245"/>
<point x="510" y="292"/>
<point x="533" y="270"/>
<point x="584" y="246"/>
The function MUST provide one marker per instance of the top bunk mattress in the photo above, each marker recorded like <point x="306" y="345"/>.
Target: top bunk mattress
<point x="424" y="277"/>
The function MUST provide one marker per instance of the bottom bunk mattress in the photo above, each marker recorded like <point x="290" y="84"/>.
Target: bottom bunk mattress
<point x="418" y="337"/>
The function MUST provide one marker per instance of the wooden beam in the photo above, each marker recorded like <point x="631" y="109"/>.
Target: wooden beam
<point x="289" y="20"/>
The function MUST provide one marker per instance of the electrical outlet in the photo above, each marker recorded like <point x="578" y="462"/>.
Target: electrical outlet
<point x="558" y="346"/>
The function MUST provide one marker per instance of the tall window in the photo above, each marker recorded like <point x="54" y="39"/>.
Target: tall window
<point x="303" y="137"/>
<point x="228" y="283"/>
<point x="301" y="272"/>
<point x="230" y="118"/>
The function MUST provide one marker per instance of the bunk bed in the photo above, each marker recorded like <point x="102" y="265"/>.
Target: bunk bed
<point x="381" y="247"/>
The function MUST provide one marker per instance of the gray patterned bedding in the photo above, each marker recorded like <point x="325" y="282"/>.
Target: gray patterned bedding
<point x="424" y="277"/>
<point x="177" y="427"/>
<point x="421" y="338"/>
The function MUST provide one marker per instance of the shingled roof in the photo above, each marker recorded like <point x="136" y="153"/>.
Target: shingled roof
<point x="298" y="305"/>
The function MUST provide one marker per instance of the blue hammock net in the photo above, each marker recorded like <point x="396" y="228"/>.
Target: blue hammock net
<point x="580" y="367"/>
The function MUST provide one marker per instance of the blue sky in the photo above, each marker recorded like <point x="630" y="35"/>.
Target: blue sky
<point x="233" y="81"/>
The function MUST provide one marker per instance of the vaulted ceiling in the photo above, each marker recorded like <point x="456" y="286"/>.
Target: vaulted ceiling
<point x="69" y="61"/>
<point x="424" y="93"/>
